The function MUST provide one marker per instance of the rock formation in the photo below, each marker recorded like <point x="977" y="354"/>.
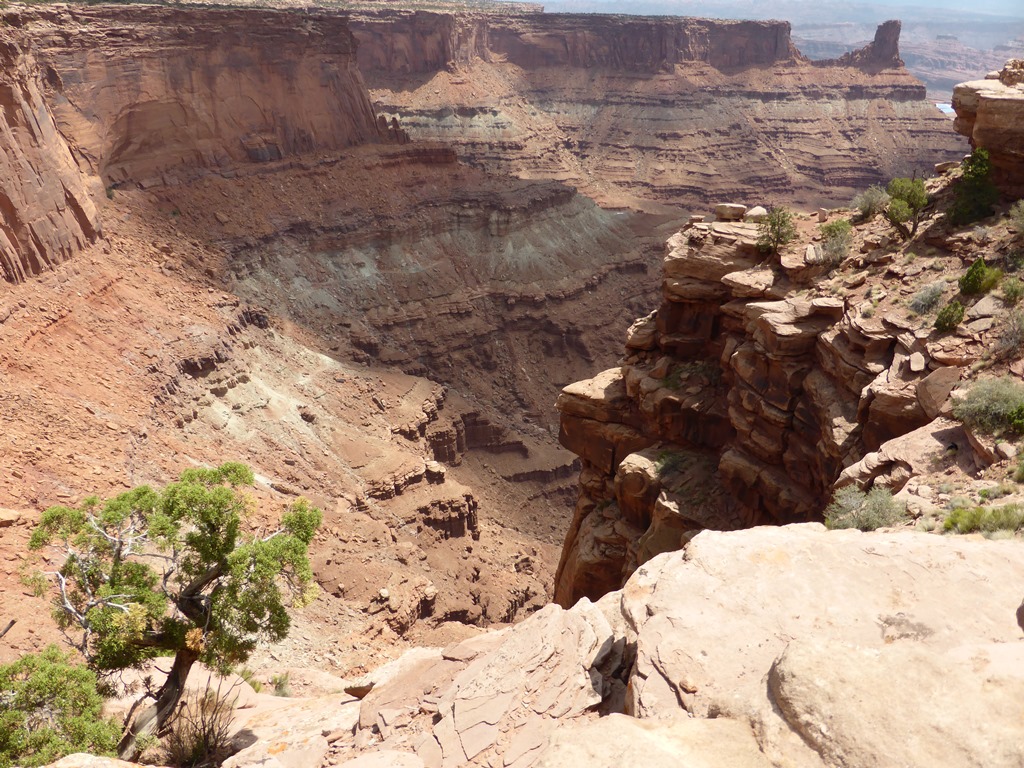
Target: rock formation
<point x="47" y="207"/>
<point x="153" y="95"/>
<point x="689" y="110"/>
<point x="759" y="386"/>
<point x="990" y="113"/>
<point x="772" y="646"/>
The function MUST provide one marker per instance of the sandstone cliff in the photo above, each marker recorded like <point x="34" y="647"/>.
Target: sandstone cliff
<point x="990" y="113"/>
<point x="47" y="206"/>
<point x="646" y="112"/>
<point x="761" y="384"/>
<point x="96" y="96"/>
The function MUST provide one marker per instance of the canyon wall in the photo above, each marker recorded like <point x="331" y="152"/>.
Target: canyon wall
<point x="759" y="386"/>
<point x="97" y="96"/>
<point x="653" y="112"/>
<point x="990" y="113"/>
<point x="47" y="198"/>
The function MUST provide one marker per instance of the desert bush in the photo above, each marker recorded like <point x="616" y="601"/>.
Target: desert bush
<point x="949" y="317"/>
<point x="776" y="230"/>
<point x="979" y="278"/>
<point x="1013" y="291"/>
<point x="927" y="298"/>
<point x="1010" y="344"/>
<point x="974" y="194"/>
<point x="667" y="463"/>
<point x="282" y="684"/>
<point x="852" y="508"/>
<point x="994" y="406"/>
<point x="49" y="708"/>
<point x="202" y="727"/>
<point x="836" y="240"/>
<point x="996" y="491"/>
<point x="1009" y="517"/>
<point x="1017" y="216"/>
<point x="871" y="201"/>
<point x="907" y="199"/>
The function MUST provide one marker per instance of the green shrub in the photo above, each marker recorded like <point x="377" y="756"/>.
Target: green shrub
<point x="927" y="298"/>
<point x="1013" y="290"/>
<point x="974" y="194"/>
<point x="1009" y="517"/>
<point x="979" y="278"/>
<point x="907" y="199"/>
<point x="836" y="240"/>
<point x="776" y="230"/>
<point x="871" y="201"/>
<point x="993" y="406"/>
<point x="996" y="492"/>
<point x="852" y="508"/>
<point x="49" y="708"/>
<point x="1010" y="344"/>
<point x="1017" y="216"/>
<point x="667" y="463"/>
<point x="949" y="317"/>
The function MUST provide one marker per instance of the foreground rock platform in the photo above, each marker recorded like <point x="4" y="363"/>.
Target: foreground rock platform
<point x="784" y="645"/>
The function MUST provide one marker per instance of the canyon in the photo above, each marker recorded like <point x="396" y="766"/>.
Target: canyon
<point x="364" y="252"/>
<point x="689" y="111"/>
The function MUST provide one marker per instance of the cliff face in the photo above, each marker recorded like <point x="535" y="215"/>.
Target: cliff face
<point x="758" y="387"/>
<point x="990" y="113"/>
<point x="94" y="96"/>
<point x="47" y="211"/>
<point x="146" y="90"/>
<point x="644" y="112"/>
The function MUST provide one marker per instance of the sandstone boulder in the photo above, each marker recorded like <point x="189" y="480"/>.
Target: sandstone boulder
<point x="756" y="214"/>
<point x="730" y="211"/>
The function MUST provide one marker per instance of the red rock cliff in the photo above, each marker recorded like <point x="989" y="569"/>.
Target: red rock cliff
<point x="100" y="95"/>
<point x="46" y="210"/>
<point x="642" y="111"/>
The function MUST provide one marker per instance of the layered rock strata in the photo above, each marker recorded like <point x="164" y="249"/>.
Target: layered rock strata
<point x="98" y="96"/>
<point x="644" y="112"/>
<point x="990" y="113"/>
<point x="745" y="398"/>
<point x="47" y="207"/>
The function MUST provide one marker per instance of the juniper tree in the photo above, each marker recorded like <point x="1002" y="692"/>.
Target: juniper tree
<point x="907" y="199"/>
<point x="776" y="230"/>
<point x="152" y="572"/>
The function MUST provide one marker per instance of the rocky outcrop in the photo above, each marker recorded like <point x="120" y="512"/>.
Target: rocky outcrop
<point x="752" y="393"/>
<point x="99" y="96"/>
<point x="846" y="629"/>
<point x="144" y="92"/>
<point x="881" y="53"/>
<point x="746" y="114"/>
<point x="990" y="113"/>
<point x="47" y="198"/>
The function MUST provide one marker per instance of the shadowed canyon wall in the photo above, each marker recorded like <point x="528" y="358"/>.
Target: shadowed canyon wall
<point x="96" y="96"/>
<point x="645" y="112"/>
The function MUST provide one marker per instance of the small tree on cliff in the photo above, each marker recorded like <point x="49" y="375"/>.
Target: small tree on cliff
<point x="974" y="194"/>
<point x="150" y="572"/>
<point x="776" y="230"/>
<point x="907" y="199"/>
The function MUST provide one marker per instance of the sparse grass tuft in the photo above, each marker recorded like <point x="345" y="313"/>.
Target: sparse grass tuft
<point x="1010" y="344"/>
<point x="871" y="201"/>
<point x="993" y="406"/>
<point x="1013" y="291"/>
<point x="927" y="298"/>
<point x="852" y="508"/>
<point x="1009" y="517"/>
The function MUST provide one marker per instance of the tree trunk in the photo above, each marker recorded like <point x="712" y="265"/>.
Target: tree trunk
<point x="153" y="718"/>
